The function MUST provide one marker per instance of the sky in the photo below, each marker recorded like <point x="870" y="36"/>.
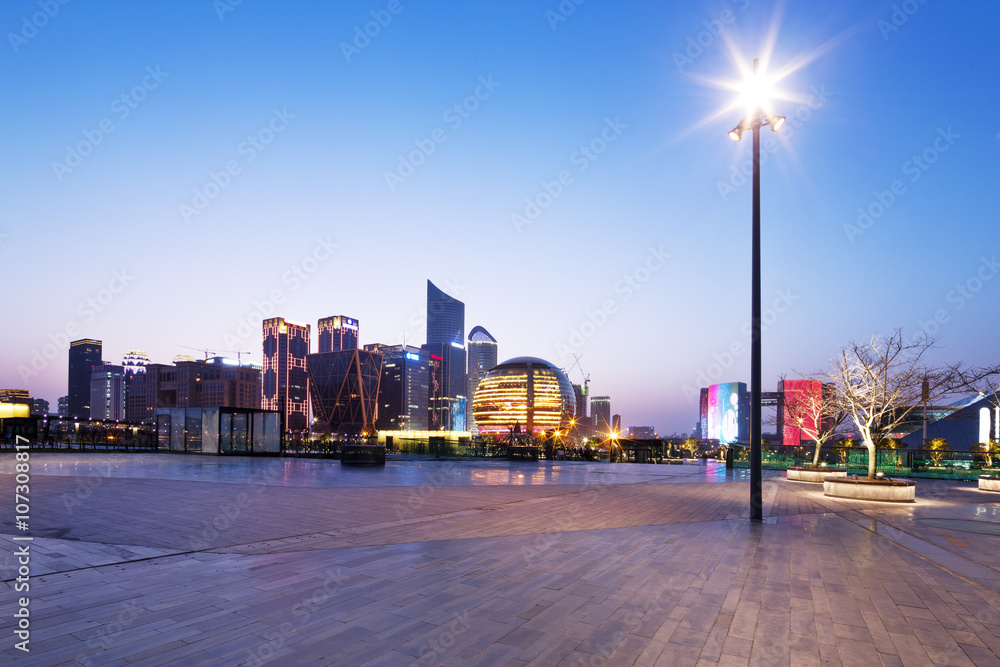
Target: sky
<point x="174" y="172"/>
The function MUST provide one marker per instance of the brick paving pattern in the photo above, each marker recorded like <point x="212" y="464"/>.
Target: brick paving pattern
<point x="180" y="560"/>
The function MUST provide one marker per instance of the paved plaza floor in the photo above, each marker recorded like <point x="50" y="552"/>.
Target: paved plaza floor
<point x="161" y="559"/>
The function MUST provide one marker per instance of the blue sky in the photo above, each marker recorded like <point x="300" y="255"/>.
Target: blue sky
<point x="263" y="158"/>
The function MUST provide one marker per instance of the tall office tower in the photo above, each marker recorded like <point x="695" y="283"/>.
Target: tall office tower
<point x="582" y="392"/>
<point x="482" y="358"/>
<point x="62" y="406"/>
<point x="403" y="390"/>
<point x="84" y="355"/>
<point x="337" y="333"/>
<point x="601" y="406"/>
<point x="445" y="317"/>
<point x="284" y="381"/>
<point x="107" y="392"/>
<point x="445" y="339"/>
<point x="616" y="424"/>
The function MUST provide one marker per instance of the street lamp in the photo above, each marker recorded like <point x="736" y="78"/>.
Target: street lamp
<point x="756" y="118"/>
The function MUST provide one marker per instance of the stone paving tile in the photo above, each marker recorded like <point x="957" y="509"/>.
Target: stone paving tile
<point x="655" y="567"/>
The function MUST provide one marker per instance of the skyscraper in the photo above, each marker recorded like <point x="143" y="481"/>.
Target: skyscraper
<point x="337" y="333"/>
<point x="84" y="355"/>
<point x="601" y="407"/>
<point x="482" y="352"/>
<point x="445" y="317"/>
<point x="403" y="390"/>
<point x="284" y="381"/>
<point x="445" y="339"/>
<point x="107" y="392"/>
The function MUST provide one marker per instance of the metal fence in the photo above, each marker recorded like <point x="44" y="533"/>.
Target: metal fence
<point x="928" y="463"/>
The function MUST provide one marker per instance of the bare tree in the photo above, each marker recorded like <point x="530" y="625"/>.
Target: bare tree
<point x="818" y="416"/>
<point x="881" y="382"/>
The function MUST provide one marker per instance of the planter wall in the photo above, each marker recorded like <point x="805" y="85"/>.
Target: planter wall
<point x="989" y="483"/>
<point x="867" y="489"/>
<point x="817" y="475"/>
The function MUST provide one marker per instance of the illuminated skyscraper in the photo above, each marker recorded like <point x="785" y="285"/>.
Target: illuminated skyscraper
<point x="84" y="355"/>
<point x="284" y="381"/>
<point x="107" y="392"/>
<point x="445" y="339"/>
<point x="403" y="390"/>
<point x="601" y="407"/>
<point x="337" y="333"/>
<point x="482" y="358"/>
<point x="445" y="317"/>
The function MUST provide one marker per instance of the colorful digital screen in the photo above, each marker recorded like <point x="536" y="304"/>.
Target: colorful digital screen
<point x="724" y="411"/>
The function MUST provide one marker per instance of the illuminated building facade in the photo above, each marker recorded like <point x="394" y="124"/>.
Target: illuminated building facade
<point x="446" y="340"/>
<point x="801" y="403"/>
<point x="84" y="355"/>
<point x="220" y="383"/>
<point x="337" y="333"/>
<point x="19" y="396"/>
<point x="107" y="392"/>
<point x="344" y="387"/>
<point x="482" y="351"/>
<point x="526" y="392"/>
<point x="403" y="389"/>
<point x="135" y="361"/>
<point x="284" y="381"/>
<point x="601" y="408"/>
<point x="40" y="407"/>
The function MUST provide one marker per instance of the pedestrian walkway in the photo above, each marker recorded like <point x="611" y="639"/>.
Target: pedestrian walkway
<point x="159" y="559"/>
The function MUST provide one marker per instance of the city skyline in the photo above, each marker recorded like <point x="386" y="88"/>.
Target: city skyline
<point x="183" y="172"/>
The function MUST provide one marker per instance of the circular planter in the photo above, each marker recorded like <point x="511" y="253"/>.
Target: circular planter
<point x="989" y="482"/>
<point x="870" y="489"/>
<point x="810" y="474"/>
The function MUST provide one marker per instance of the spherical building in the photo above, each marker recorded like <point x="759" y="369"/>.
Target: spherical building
<point x="525" y="391"/>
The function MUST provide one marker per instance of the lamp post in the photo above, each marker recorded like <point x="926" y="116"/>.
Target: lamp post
<point x="756" y="118"/>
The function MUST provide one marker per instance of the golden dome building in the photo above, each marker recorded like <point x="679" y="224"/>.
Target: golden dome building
<point x="527" y="392"/>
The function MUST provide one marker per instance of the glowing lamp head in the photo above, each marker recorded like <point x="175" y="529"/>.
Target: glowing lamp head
<point x="736" y="133"/>
<point x="775" y="122"/>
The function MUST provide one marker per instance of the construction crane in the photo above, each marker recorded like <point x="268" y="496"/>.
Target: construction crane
<point x="586" y="376"/>
<point x="239" y="353"/>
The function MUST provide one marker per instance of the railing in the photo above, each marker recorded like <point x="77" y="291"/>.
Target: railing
<point x="916" y="463"/>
